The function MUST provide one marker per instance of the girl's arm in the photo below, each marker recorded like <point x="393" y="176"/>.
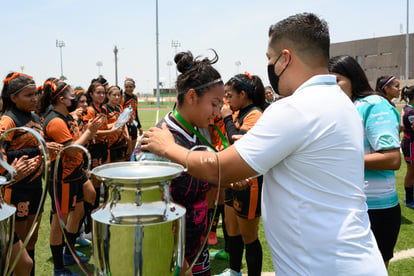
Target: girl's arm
<point x="383" y="160"/>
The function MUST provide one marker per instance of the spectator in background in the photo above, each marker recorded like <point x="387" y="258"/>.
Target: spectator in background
<point x="389" y="86"/>
<point x="382" y="151"/>
<point x="269" y="96"/>
<point x="134" y="125"/>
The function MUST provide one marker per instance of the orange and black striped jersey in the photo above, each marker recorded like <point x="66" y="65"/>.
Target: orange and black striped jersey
<point x="113" y="115"/>
<point x="63" y="129"/>
<point x="92" y="112"/>
<point x="133" y="102"/>
<point x="22" y="142"/>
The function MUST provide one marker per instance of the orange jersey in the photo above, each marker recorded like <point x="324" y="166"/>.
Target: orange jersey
<point x="21" y="142"/>
<point x="92" y="112"/>
<point x="248" y="121"/>
<point x="132" y="101"/>
<point x="113" y="115"/>
<point x="61" y="129"/>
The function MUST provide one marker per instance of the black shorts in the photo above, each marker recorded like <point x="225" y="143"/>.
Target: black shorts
<point x="26" y="200"/>
<point x="69" y="192"/>
<point x="99" y="153"/>
<point x="246" y="203"/>
<point x="385" y="224"/>
<point x="133" y="131"/>
<point x="117" y="152"/>
<point x="407" y="147"/>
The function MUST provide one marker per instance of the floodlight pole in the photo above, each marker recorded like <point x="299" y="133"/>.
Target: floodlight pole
<point x="407" y="49"/>
<point x="60" y="44"/>
<point x="158" y="59"/>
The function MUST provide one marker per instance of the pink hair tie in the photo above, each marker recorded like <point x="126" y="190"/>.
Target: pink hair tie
<point x="387" y="82"/>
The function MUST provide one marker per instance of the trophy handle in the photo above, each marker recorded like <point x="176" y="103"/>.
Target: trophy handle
<point x="6" y="234"/>
<point x="57" y="204"/>
<point x="215" y="203"/>
<point x="46" y="161"/>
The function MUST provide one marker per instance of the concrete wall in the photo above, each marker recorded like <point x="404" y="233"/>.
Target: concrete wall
<point x="379" y="56"/>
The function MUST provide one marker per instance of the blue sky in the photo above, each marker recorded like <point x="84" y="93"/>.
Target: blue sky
<point x="236" y="29"/>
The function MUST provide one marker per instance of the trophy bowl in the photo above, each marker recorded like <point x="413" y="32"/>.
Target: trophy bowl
<point x="138" y="230"/>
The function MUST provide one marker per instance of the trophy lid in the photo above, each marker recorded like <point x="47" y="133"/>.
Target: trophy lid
<point x="137" y="172"/>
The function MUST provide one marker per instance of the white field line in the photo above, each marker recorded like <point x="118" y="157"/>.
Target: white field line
<point x="404" y="254"/>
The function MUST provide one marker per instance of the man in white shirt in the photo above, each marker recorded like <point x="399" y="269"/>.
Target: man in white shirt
<point x="309" y="148"/>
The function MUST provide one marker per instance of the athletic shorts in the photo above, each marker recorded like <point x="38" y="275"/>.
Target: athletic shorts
<point x="26" y="200"/>
<point x="407" y="147"/>
<point x="247" y="202"/>
<point x="133" y="131"/>
<point x="99" y="153"/>
<point x="385" y="224"/>
<point x="202" y="265"/>
<point x="117" y="152"/>
<point x="69" y="192"/>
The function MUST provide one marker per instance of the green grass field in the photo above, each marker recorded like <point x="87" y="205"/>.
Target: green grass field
<point x="44" y="264"/>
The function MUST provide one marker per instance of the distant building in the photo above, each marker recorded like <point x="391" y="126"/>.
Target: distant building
<point x="379" y="56"/>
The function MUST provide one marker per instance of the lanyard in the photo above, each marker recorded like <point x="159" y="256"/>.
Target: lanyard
<point x="193" y="130"/>
<point x="223" y="138"/>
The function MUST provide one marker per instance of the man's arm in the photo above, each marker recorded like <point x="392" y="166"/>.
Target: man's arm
<point x="201" y="164"/>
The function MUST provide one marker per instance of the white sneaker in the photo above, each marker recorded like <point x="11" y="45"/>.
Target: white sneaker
<point x="229" y="272"/>
<point x="87" y="236"/>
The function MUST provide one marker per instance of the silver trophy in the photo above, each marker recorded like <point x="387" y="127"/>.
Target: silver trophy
<point x="138" y="230"/>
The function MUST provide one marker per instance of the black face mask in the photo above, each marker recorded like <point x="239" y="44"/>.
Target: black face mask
<point x="73" y="104"/>
<point x="273" y="78"/>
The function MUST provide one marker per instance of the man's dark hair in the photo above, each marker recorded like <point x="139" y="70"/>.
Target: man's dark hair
<point x="307" y="34"/>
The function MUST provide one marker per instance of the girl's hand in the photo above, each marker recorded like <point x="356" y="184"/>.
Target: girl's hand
<point x="95" y="124"/>
<point x="77" y="114"/>
<point x="54" y="148"/>
<point x="236" y="137"/>
<point x="242" y="185"/>
<point x="25" y="166"/>
<point x="225" y="111"/>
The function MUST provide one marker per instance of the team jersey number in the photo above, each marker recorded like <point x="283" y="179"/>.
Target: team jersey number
<point x="23" y="209"/>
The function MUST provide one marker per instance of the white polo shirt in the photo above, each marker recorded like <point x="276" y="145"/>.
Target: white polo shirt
<point x="309" y="147"/>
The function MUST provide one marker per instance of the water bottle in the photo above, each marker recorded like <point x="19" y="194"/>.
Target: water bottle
<point x="149" y="156"/>
<point x="140" y="155"/>
<point x="124" y="117"/>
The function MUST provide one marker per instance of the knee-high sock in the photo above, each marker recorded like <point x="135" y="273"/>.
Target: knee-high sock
<point x="254" y="258"/>
<point x="71" y="240"/>
<point x="57" y="255"/>
<point x="236" y="247"/>
<point x="409" y="194"/>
